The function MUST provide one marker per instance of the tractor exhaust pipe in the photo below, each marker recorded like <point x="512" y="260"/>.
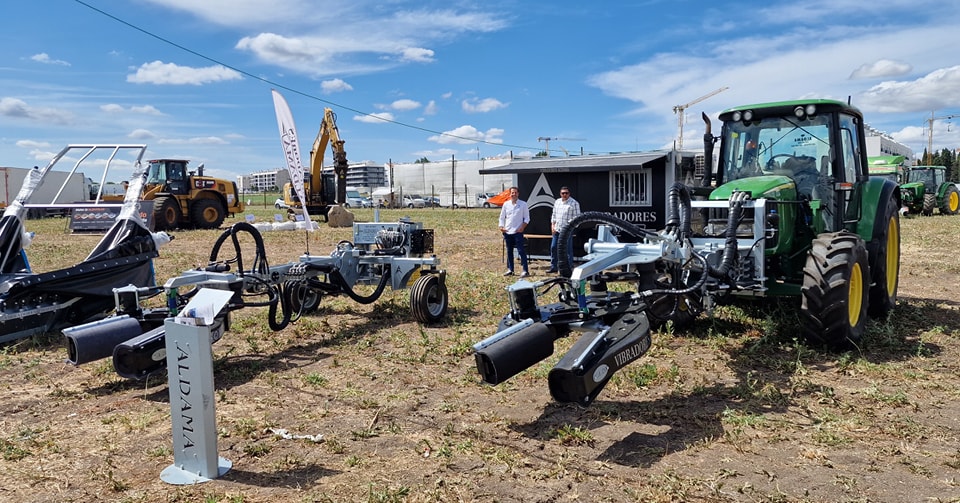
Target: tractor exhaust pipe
<point x="93" y="341"/>
<point x="583" y="372"/>
<point x="513" y="350"/>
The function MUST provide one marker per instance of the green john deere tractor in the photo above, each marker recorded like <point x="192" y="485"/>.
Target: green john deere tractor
<point x="926" y="187"/>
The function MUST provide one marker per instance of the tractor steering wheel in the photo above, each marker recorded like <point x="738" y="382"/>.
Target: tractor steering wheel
<point x="772" y="164"/>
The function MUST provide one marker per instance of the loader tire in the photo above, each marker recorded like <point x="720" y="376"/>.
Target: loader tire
<point x="929" y="203"/>
<point x="206" y="214"/>
<point x="833" y="309"/>
<point x="166" y="213"/>
<point x="951" y="201"/>
<point x="885" y="261"/>
<point x="429" y="299"/>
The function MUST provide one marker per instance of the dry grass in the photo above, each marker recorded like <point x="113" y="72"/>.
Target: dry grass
<point x="733" y="410"/>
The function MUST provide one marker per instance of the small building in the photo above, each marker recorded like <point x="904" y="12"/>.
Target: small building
<point x="629" y="186"/>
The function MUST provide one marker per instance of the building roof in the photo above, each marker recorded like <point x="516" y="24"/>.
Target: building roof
<point x="611" y="162"/>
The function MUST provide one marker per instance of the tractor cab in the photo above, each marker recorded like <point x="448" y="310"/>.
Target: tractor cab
<point x="808" y="153"/>
<point x="170" y="175"/>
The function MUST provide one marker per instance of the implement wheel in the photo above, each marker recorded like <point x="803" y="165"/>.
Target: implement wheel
<point x="429" y="299"/>
<point x="166" y="213"/>
<point x="301" y="298"/>
<point x="885" y="261"/>
<point x="835" y="290"/>
<point x="951" y="201"/>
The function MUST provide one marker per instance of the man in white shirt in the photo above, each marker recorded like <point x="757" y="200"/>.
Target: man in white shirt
<point x="565" y="209"/>
<point x="514" y="217"/>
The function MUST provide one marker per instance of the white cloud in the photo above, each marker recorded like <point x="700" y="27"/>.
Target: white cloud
<point x="45" y="58"/>
<point x="13" y="107"/>
<point x="476" y="105"/>
<point x="881" y="68"/>
<point x="431" y="108"/>
<point x="335" y="86"/>
<point x="467" y="134"/>
<point x="936" y="90"/>
<point x="405" y="105"/>
<point x="200" y="140"/>
<point x="145" y="109"/>
<point x="32" y="144"/>
<point x="158" y="72"/>
<point x="141" y="134"/>
<point x="377" y="118"/>
<point x="417" y="55"/>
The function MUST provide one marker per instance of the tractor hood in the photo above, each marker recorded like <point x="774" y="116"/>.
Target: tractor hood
<point x="777" y="187"/>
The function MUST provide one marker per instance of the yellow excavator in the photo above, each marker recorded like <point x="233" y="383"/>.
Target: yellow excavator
<point x="322" y="190"/>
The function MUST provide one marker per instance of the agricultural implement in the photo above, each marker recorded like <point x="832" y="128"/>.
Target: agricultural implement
<point x="397" y="255"/>
<point x="790" y="211"/>
<point x="33" y="303"/>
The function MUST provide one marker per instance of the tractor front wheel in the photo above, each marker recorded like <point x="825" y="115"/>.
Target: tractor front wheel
<point x="206" y="213"/>
<point x="951" y="201"/>
<point x="885" y="261"/>
<point x="929" y="203"/>
<point x="429" y="299"/>
<point x="166" y="213"/>
<point x="835" y="292"/>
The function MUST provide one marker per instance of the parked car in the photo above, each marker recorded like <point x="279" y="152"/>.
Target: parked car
<point x="483" y="199"/>
<point x="432" y="201"/>
<point x="280" y="204"/>
<point x="413" y="201"/>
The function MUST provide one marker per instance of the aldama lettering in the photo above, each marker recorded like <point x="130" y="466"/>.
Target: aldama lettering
<point x="183" y="386"/>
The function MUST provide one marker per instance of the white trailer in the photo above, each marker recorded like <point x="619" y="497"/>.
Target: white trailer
<point x="58" y="187"/>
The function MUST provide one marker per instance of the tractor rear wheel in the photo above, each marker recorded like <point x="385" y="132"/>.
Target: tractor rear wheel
<point x="166" y="213"/>
<point x="835" y="290"/>
<point x="885" y="261"/>
<point x="206" y="213"/>
<point x="429" y="299"/>
<point x="951" y="201"/>
<point x="929" y="203"/>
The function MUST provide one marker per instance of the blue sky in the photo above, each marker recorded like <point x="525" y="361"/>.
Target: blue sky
<point x="601" y="77"/>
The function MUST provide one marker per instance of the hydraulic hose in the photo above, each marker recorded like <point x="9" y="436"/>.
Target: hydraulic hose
<point x="730" y="244"/>
<point x="591" y="218"/>
<point x="342" y="282"/>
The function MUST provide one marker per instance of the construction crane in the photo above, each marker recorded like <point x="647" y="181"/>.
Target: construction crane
<point x="546" y="143"/>
<point x="681" y="110"/>
<point x="929" y="159"/>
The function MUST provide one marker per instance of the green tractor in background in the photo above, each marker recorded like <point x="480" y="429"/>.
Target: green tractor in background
<point x="924" y="188"/>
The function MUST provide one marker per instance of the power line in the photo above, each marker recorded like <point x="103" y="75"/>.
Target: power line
<point x="286" y="88"/>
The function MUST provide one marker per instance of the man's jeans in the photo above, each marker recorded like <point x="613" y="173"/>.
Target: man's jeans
<point x="515" y="241"/>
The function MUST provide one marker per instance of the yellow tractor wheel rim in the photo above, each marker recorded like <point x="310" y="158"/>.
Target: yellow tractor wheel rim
<point x="954" y="202"/>
<point x="893" y="255"/>
<point x="855" y="296"/>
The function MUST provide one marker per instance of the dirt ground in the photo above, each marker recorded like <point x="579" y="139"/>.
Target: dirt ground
<point x="734" y="409"/>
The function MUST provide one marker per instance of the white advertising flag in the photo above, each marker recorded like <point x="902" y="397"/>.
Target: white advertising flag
<point x="291" y="150"/>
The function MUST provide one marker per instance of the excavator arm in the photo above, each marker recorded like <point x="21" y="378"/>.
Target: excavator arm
<point x="329" y="134"/>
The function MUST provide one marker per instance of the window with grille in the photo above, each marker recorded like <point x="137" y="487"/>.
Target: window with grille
<point x="630" y="188"/>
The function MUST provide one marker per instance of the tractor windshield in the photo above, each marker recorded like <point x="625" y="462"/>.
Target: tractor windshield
<point x="775" y="145"/>
<point x="157" y="172"/>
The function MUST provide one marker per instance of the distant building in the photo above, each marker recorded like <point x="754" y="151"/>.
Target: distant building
<point x="452" y="180"/>
<point x="264" y="181"/>
<point x="365" y="176"/>
<point x="880" y="143"/>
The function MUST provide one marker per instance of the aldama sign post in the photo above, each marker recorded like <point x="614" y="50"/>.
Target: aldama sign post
<point x="189" y="346"/>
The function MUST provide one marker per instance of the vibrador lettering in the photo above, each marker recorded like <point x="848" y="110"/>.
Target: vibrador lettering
<point x="636" y="216"/>
<point x="632" y="352"/>
<point x="186" y="414"/>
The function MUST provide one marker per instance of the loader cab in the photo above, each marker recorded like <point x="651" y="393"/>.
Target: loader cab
<point x="169" y="173"/>
<point x="817" y="145"/>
